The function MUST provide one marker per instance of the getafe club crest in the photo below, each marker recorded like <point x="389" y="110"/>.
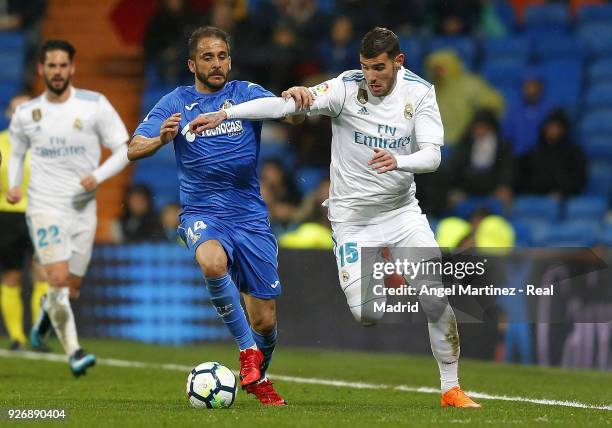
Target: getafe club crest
<point x="408" y="111"/>
<point x="36" y="115"/>
<point x="362" y="96"/>
<point x="227" y="104"/>
<point x="78" y="125"/>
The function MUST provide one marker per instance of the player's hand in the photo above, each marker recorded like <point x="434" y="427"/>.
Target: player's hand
<point x="170" y="128"/>
<point x="302" y="96"/>
<point x="89" y="183"/>
<point x="14" y="195"/>
<point x="207" y="121"/>
<point x="383" y="161"/>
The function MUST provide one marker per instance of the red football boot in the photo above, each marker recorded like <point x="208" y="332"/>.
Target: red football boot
<point x="250" y="366"/>
<point x="265" y="393"/>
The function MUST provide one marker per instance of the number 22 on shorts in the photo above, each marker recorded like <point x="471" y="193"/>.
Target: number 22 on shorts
<point x="48" y="236"/>
<point x="348" y="253"/>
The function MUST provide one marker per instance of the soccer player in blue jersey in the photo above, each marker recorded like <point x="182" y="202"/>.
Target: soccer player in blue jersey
<point x="224" y="220"/>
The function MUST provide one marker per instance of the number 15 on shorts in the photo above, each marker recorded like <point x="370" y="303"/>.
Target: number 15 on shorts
<point x="348" y="253"/>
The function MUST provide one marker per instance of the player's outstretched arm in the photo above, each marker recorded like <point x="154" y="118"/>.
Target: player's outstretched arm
<point x="142" y="147"/>
<point x="259" y="109"/>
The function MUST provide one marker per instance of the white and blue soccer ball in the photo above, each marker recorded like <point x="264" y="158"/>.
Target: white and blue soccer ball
<point x="211" y="385"/>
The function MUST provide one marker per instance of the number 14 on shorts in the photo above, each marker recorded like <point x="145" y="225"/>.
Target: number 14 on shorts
<point x="348" y="253"/>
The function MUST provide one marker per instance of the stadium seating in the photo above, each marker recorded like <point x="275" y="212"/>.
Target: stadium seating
<point x="596" y="122"/>
<point x="533" y="207"/>
<point x="464" y="46"/>
<point x="586" y="208"/>
<point x="309" y="178"/>
<point x="466" y="208"/>
<point x="595" y="37"/>
<point x="512" y="48"/>
<point x="554" y="46"/>
<point x="600" y="70"/>
<point x="573" y="234"/>
<point x="598" y="96"/>
<point x="546" y="19"/>
<point x="595" y="14"/>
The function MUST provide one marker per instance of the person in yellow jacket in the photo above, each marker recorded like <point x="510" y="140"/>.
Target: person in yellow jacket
<point x="460" y="93"/>
<point x="15" y="249"/>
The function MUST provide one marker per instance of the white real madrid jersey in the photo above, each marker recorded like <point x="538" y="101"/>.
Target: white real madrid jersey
<point x="362" y="122"/>
<point x="64" y="141"/>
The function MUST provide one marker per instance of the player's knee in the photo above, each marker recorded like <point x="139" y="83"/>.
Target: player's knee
<point x="214" y="266"/>
<point x="58" y="278"/>
<point x="263" y="325"/>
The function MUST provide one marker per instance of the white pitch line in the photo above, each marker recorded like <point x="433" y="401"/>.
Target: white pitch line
<point x="305" y="380"/>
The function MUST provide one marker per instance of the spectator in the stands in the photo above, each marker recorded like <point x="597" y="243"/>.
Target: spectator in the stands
<point x="482" y="163"/>
<point x="170" y="221"/>
<point x="280" y="192"/>
<point x="455" y="17"/>
<point x="340" y="52"/>
<point x="556" y="166"/>
<point x="164" y="41"/>
<point x="139" y="221"/>
<point x="26" y="16"/>
<point x="460" y="93"/>
<point x="524" y="118"/>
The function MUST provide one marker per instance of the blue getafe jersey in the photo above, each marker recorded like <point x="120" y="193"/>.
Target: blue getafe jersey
<point x="217" y="171"/>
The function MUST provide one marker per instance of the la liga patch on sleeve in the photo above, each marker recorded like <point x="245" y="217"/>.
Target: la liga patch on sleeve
<point x="321" y="89"/>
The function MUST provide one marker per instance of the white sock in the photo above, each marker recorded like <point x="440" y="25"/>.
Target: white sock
<point x="449" y="377"/>
<point x="57" y="305"/>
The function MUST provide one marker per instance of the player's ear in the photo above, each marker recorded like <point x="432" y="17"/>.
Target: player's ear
<point x="230" y="63"/>
<point x="191" y="65"/>
<point x="40" y="67"/>
<point x="399" y="61"/>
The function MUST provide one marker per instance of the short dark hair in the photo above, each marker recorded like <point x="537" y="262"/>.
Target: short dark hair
<point x="202" y="32"/>
<point x="56" y="45"/>
<point x="378" y="41"/>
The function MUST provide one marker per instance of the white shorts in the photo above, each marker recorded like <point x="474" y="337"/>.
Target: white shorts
<point x="405" y="233"/>
<point x="59" y="237"/>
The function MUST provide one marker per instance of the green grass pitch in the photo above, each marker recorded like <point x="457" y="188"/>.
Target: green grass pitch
<point x="150" y="396"/>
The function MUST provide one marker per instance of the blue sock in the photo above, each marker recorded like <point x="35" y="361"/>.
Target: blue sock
<point x="225" y="296"/>
<point x="266" y="344"/>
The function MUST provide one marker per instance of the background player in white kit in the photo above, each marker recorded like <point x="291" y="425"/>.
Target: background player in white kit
<point x="386" y="127"/>
<point x="63" y="129"/>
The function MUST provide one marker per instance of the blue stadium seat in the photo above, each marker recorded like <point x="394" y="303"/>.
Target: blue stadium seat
<point x="598" y="146"/>
<point x="600" y="177"/>
<point x="504" y="72"/>
<point x="573" y="234"/>
<point x="546" y="19"/>
<point x="466" y="208"/>
<point x="464" y="46"/>
<point x="563" y="82"/>
<point x="309" y="178"/>
<point x="535" y="207"/>
<point x="596" y="38"/>
<point x="596" y="122"/>
<point x="513" y="48"/>
<point x="600" y="70"/>
<point x="12" y="41"/>
<point x="413" y="49"/>
<point x="598" y="96"/>
<point x="522" y="233"/>
<point x="281" y="152"/>
<point x="595" y="13"/>
<point x="505" y="12"/>
<point x="538" y="230"/>
<point x="555" y="46"/>
<point x="606" y="236"/>
<point x="586" y="208"/>
<point x="11" y="65"/>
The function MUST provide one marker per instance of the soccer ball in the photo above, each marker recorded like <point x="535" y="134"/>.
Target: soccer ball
<point x="212" y="386"/>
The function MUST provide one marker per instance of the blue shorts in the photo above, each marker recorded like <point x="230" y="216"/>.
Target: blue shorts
<point x="250" y="247"/>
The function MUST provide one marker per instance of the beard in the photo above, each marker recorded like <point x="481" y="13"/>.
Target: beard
<point x="56" y="90"/>
<point x="205" y="80"/>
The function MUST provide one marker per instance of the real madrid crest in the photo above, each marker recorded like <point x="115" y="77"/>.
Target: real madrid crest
<point x="345" y="275"/>
<point x="227" y="104"/>
<point x="36" y="115"/>
<point x="362" y="96"/>
<point x="408" y="111"/>
<point x="78" y="125"/>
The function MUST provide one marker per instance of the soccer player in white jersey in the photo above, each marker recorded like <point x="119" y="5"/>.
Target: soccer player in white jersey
<point x="386" y="127"/>
<point x="63" y="128"/>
